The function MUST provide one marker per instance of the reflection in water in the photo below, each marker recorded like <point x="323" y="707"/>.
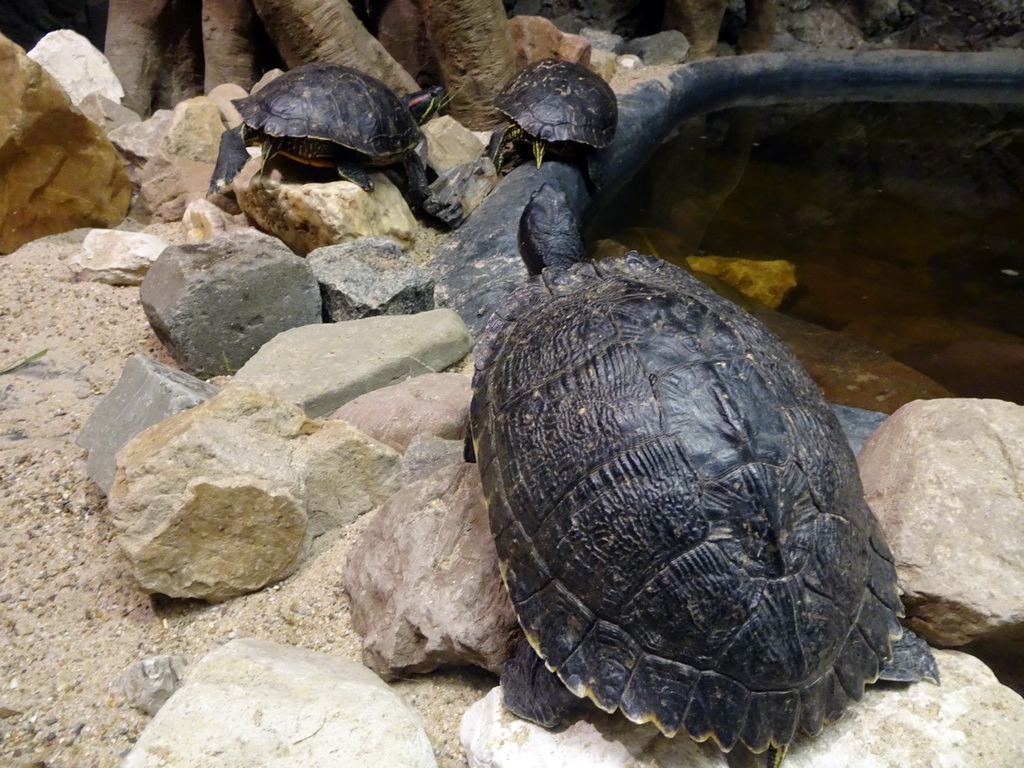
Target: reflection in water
<point x="905" y="223"/>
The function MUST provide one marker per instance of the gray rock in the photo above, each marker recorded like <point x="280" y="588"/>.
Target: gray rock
<point x="858" y="424"/>
<point x="436" y="403"/>
<point x="107" y="114"/>
<point x="423" y="580"/>
<point x="428" y="454"/>
<point x="256" y="703"/>
<point x="367" y="277"/>
<point x="457" y="192"/>
<point x="322" y="367"/>
<point x="149" y="683"/>
<point x="668" y="47"/>
<point x="604" y="41"/>
<point x="970" y="721"/>
<point x="146" y="393"/>
<point x="213" y="304"/>
<point x="946" y="480"/>
<point x="138" y="141"/>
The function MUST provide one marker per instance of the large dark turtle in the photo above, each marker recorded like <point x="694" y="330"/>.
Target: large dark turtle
<point x="678" y="517"/>
<point x="560" y="107"/>
<point x="334" y="116"/>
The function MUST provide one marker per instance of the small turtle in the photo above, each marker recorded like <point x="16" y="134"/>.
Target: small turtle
<point x="560" y="107"/>
<point x="678" y="516"/>
<point x="333" y="116"/>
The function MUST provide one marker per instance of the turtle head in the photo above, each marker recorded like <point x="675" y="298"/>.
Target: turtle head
<point x="549" y="232"/>
<point x="426" y="103"/>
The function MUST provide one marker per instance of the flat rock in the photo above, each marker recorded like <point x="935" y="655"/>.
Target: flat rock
<point x="215" y="303"/>
<point x="946" y="480"/>
<point x="321" y="367"/>
<point x="450" y="143"/>
<point x="256" y="703"/>
<point x="116" y="257"/>
<point x="310" y="216"/>
<point x="766" y="281"/>
<point x="75" y="63"/>
<point x="147" y="392"/>
<point x="427" y="454"/>
<point x="423" y="580"/>
<point x="107" y="114"/>
<point x="970" y="721"/>
<point x="459" y="191"/>
<point x="58" y="170"/>
<point x="434" y="403"/>
<point x="367" y="277"/>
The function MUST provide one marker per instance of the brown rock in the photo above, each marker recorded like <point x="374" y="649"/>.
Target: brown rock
<point x="535" y="37"/>
<point x="58" y="171"/>
<point x="423" y="580"/>
<point x="436" y="403"/>
<point x="946" y="480"/>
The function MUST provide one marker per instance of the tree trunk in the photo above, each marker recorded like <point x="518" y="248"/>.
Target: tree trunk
<point x="231" y="32"/>
<point x="328" y="30"/>
<point x="473" y="45"/>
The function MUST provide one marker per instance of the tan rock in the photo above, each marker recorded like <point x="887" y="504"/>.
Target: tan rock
<point x="436" y="403"/>
<point x="115" y="257"/>
<point x="603" y="63"/>
<point x="423" y="580"/>
<point x="194" y="132"/>
<point x="449" y="144"/>
<point x="946" y="480"/>
<point x="768" y="282"/>
<point x="58" y="171"/>
<point x="535" y="37"/>
<point x="223" y="95"/>
<point x="206" y="503"/>
<point x="205" y="220"/>
<point x="310" y="216"/>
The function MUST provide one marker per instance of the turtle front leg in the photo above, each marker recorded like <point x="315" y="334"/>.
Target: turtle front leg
<point x="500" y="136"/>
<point x="231" y="158"/>
<point x="532" y="691"/>
<point x="355" y="173"/>
<point x="417" y="176"/>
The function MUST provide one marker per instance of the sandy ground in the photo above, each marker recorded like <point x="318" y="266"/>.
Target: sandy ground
<point x="72" y="617"/>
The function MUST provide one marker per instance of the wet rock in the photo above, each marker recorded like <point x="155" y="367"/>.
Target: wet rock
<point x="668" y="47"/>
<point x="435" y="403"/>
<point x="58" y="171"/>
<point x="206" y="221"/>
<point x="215" y="303"/>
<point x="149" y="683"/>
<point x="367" y="277"/>
<point x="115" y="257"/>
<point x="970" y="720"/>
<point x="427" y="454"/>
<point x="535" y="37"/>
<point x="77" y="66"/>
<point x="147" y="392"/>
<point x="946" y="480"/>
<point x="456" y="193"/>
<point x="848" y="371"/>
<point x="768" y="282"/>
<point x="310" y="216"/>
<point x="286" y="707"/>
<point x="107" y="114"/>
<point x="858" y="424"/>
<point x="223" y="95"/>
<point x="423" y="580"/>
<point x="322" y="367"/>
<point x="449" y="143"/>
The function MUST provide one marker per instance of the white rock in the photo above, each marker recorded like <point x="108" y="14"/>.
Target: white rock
<point x="79" y="68"/>
<point x="257" y="704"/>
<point x="310" y="216"/>
<point x="205" y="220"/>
<point x="147" y="684"/>
<point x="970" y="721"/>
<point x="946" y="480"/>
<point x="115" y="257"/>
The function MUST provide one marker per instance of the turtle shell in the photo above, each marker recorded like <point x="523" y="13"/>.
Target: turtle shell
<point x="678" y="516"/>
<point x="336" y="104"/>
<point x="557" y="100"/>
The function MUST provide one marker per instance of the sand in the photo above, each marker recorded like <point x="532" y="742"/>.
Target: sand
<point x="72" y="617"/>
